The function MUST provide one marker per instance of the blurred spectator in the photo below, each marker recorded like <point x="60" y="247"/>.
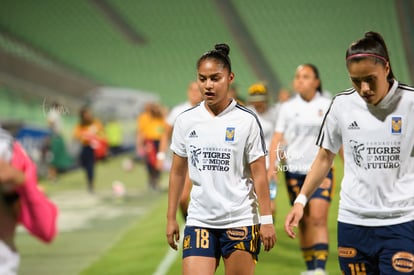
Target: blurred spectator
<point x="151" y="125"/>
<point x="114" y="136"/>
<point x="54" y="117"/>
<point x="259" y="101"/>
<point x="90" y="133"/>
<point x="283" y="95"/>
<point x="234" y="93"/>
<point x="56" y="156"/>
<point x="21" y="201"/>
<point x="193" y="98"/>
<point x="55" y="151"/>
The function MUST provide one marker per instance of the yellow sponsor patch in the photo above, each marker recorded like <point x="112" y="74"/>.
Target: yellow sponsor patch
<point x="403" y="262"/>
<point x="238" y="233"/>
<point x="346" y="252"/>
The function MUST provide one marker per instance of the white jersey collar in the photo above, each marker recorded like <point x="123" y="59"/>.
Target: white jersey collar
<point x="389" y="97"/>
<point x="230" y="107"/>
<point x="387" y="105"/>
<point x="316" y="96"/>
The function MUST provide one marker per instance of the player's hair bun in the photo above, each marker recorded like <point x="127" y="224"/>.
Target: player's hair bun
<point x="222" y="48"/>
<point x="375" y="36"/>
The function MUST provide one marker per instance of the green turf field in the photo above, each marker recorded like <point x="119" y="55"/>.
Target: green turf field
<point x="101" y="234"/>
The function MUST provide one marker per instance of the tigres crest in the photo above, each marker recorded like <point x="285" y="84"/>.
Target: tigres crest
<point x="396" y="125"/>
<point x="230" y="133"/>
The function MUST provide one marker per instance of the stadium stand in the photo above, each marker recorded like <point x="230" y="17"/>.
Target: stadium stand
<point x="78" y="38"/>
<point x="77" y="35"/>
<point x="319" y="33"/>
<point x="405" y="9"/>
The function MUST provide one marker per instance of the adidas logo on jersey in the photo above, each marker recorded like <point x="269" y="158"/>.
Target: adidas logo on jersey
<point x="353" y="126"/>
<point x="193" y="134"/>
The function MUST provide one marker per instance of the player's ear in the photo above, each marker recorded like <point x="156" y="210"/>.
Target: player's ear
<point x="387" y="68"/>
<point x="231" y="77"/>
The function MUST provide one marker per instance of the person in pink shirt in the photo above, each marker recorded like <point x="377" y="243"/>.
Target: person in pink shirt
<point x="21" y="202"/>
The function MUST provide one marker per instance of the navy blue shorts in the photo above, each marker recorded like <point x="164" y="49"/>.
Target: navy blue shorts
<point x="381" y="250"/>
<point x="207" y="242"/>
<point x="295" y="182"/>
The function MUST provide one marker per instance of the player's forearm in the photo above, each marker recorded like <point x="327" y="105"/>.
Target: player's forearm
<point x="261" y="186"/>
<point x="273" y="154"/>
<point x="263" y="196"/>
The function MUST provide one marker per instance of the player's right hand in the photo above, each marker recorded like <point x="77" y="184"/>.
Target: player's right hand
<point x="173" y="234"/>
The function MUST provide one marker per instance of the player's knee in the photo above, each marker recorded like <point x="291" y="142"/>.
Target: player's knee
<point x="318" y="221"/>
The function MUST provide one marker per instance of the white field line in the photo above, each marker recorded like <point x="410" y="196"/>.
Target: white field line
<point x="169" y="257"/>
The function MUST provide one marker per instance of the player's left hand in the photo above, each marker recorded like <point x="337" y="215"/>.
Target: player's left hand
<point x="268" y="236"/>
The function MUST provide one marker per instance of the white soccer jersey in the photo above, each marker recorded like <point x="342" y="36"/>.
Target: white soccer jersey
<point x="219" y="149"/>
<point x="172" y="116"/>
<point x="378" y="184"/>
<point x="300" y="121"/>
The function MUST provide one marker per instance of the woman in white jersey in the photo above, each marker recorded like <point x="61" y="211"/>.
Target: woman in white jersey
<point x="374" y="123"/>
<point x="293" y="146"/>
<point x="221" y="145"/>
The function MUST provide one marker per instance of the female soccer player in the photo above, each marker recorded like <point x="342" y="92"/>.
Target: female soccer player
<point x="221" y="145"/>
<point x="373" y="122"/>
<point x="294" y="139"/>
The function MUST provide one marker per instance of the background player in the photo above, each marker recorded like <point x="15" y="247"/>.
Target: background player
<point x="293" y="143"/>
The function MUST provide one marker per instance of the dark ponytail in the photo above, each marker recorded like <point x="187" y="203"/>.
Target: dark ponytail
<point x="220" y="53"/>
<point x="372" y="45"/>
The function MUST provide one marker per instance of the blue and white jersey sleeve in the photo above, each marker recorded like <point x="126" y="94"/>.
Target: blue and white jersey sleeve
<point x="255" y="146"/>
